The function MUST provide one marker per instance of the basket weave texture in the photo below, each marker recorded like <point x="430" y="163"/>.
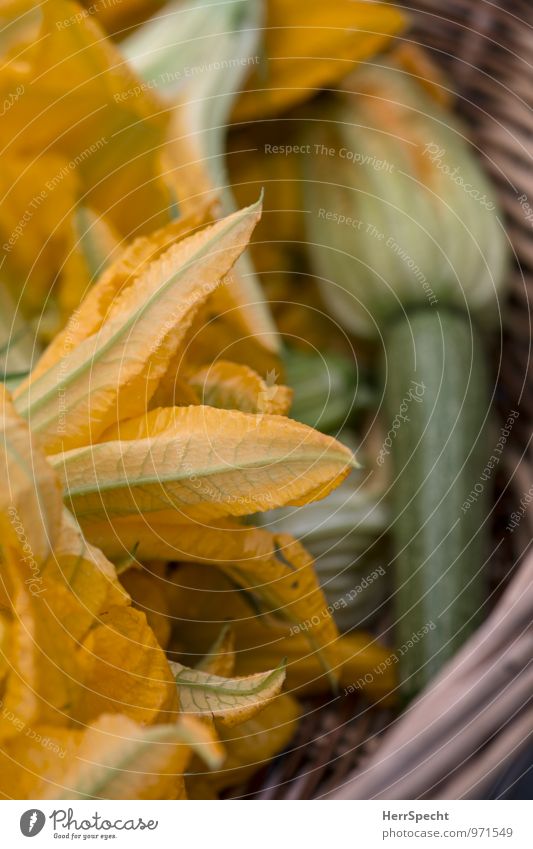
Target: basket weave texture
<point x="346" y="748"/>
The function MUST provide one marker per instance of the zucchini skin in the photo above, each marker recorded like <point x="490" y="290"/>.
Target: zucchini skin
<point x="439" y="500"/>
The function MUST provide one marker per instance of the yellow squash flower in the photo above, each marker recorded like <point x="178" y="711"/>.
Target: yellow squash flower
<point x="153" y="474"/>
<point x="140" y="471"/>
<point x="82" y="134"/>
<point x="89" y="705"/>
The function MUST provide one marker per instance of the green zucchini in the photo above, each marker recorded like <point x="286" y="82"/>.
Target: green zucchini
<point x="436" y="400"/>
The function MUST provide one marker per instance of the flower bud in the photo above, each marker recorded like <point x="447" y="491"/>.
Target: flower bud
<point x="327" y="389"/>
<point x="346" y="534"/>
<point x="197" y="57"/>
<point x="400" y="214"/>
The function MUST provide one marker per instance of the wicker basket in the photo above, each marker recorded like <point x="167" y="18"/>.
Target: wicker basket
<point x="458" y="740"/>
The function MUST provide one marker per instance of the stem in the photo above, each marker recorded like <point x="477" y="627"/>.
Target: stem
<point x="441" y="485"/>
